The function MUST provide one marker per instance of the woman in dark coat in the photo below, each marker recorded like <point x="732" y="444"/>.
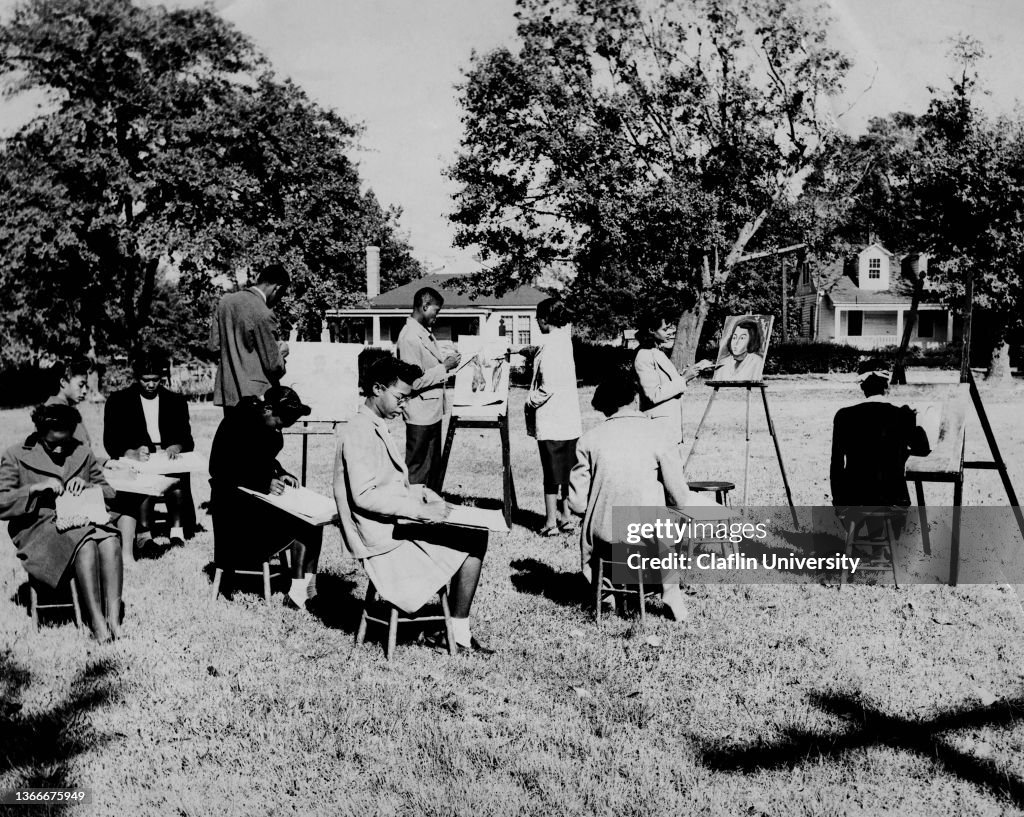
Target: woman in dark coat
<point x="246" y="530"/>
<point x="32" y="475"/>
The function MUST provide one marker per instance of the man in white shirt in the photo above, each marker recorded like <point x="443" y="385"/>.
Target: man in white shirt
<point x="147" y="417"/>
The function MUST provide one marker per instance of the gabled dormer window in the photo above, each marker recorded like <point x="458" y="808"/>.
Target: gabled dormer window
<point x="874" y="268"/>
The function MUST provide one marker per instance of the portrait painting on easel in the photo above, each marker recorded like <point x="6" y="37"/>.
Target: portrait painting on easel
<point x="743" y="348"/>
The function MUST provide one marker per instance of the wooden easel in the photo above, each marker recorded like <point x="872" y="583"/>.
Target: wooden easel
<point x="942" y="465"/>
<point x="748" y="385"/>
<point x="500" y="422"/>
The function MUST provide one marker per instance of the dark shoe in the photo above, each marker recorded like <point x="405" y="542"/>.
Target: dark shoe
<point x="474" y="647"/>
<point x="176" y="542"/>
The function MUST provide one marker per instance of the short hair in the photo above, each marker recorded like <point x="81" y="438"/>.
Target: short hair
<point x="285" y="403"/>
<point x="647" y="324"/>
<point x="380" y="367"/>
<point x="618" y="389"/>
<point x="66" y="369"/>
<point x="753" y="328"/>
<point x="55" y="417"/>
<point x="425" y="294"/>
<point x="874" y="383"/>
<point x="274" y="274"/>
<point x="150" y="362"/>
<point x="553" y="311"/>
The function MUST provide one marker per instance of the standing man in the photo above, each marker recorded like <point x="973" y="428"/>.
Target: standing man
<point x="244" y="331"/>
<point x="425" y="407"/>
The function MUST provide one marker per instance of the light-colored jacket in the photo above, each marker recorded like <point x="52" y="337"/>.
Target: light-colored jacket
<point x="661" y="390"/>
<point x="371" y="486"/>
<point x="625" y="461"/>
<point x="553" y="390"/>
<point x="418" y="346"/>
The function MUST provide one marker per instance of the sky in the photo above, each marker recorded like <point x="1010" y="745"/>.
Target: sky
<point x="392" y="65"/>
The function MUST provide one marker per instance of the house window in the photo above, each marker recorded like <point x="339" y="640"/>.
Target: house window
<point x="874" y="268"/>
<point x="523" y="330"/>
<point x="855" y="324"/>
<point x="925" y="325"/>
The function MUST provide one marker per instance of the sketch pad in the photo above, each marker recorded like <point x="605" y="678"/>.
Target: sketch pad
<point x="307" y="505"/>
<point x="88" y="507"/>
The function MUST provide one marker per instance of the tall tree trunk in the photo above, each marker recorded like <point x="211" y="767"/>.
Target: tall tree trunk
<point x="999" y="366"/>
<point x="688" y="330"/>
<point x="899" y="371"/>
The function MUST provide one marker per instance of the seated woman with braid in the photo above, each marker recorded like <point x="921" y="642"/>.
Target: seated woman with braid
<point x="395" y="529"/>
<point x="32" y="475"/>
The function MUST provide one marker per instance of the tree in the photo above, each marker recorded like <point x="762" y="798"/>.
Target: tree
<point x="643" y="144"/>
<point x="171" y="160"/>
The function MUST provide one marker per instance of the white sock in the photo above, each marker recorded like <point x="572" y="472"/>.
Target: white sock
<point x="178" y="531"/>
<point x="673" y="598"/>
<point x="311" y="585"/>
<point x="462" y="634"/>
<point x="297" y="592"/>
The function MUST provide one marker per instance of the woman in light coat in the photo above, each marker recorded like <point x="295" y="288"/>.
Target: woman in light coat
<point x="661" y="384"/>
<point x="554" y="398"/>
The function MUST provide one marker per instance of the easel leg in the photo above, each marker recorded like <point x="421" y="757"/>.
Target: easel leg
<point x="993" y="447"/>
<point x="746" y="451"/>
<point x="922" y="514"/>
<point x="778" y="456"/>
<point x="508" y="489"/>
<point x="448" y="440"/>
<point x="954" y="548"/>
<point x="700" y="425"/>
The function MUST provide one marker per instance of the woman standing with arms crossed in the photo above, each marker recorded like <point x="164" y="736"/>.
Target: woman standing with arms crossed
<point x="661" y="385"/>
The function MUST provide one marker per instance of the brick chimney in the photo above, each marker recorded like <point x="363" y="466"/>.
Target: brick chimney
<point x="372" y="272"/>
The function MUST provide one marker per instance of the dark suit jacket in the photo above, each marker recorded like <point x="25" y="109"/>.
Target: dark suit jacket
<point x="124" y="424"/>
<point x="870" y="445"/>
<point x="244" y="331"/>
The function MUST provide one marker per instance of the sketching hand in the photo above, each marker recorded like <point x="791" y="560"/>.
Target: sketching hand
<point x="75" y="486"/>
<point x="277" y="486"/>
<point x="431" y="496"/>
<point x="289" y="480"/>
<point x="173" y="452"/>
<point x="48" y="484"/>
<point x="453" y="360"/>
<point x="436" y="511"/>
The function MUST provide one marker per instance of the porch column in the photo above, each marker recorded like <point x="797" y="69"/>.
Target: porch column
<point x="835" y="334"/>
<point x="949" y="325"/>
<point x="375" y="332"/>
<point x="899" y="324"/>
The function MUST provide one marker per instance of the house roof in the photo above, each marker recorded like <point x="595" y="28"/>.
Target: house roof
<point x="448" y="285"/>
<point x="845" y="293"/>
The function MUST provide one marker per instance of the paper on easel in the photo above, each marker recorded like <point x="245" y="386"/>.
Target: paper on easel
<point x="88" y="507"/>
<point x="468" y="517"/>
<point x="308" y="505"/>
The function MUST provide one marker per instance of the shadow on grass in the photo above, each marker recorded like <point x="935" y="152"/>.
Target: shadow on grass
<point x="64" y="614"/>
<point x="870" y="727"/>
<point x="562" y="587"/>
<point x="246" y="582"/>
<point x="39" y="748"/>
<point x="338" y="604"/>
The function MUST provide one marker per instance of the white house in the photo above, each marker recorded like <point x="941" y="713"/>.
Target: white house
<point x="512" y="316"/>
<point x="867" y="305"/>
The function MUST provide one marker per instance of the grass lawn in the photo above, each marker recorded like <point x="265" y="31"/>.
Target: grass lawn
<point x="777" y="699"/>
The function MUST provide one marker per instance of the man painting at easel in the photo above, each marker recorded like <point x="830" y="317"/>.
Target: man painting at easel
<point x="424" y="410"/>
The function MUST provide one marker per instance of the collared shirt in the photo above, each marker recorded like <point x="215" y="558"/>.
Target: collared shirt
<point x="151" y="411"/>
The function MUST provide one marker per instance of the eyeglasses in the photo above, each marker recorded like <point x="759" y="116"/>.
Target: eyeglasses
<point x="400" y="399"/>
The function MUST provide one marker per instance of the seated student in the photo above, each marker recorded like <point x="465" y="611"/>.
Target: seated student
<point x="394" y="527"/>
<point x="144" y="418"/>
<point x="246" y="530"/>
<point x="871" y="442"/>
<point x="70" y="385"/>
<point x="32" y="475"/>
<point x="627" y="460"/>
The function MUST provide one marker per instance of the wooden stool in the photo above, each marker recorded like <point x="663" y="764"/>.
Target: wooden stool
<point x="34" y="606"/>
<point x="284" y="563"/>
<point x="721" y="489"/>
<point x="395" y="618"/>
<point x="599" y="590"/>
<point x="888" y="539"/>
